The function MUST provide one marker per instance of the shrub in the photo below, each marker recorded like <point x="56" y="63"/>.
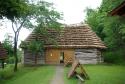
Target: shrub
<point x="10" y="60"/>
<point x="114" y="56"/>
<point x="7" y="72"/>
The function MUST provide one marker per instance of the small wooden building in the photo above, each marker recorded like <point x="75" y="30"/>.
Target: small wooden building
<point x="119" y="10"/>
<point x="72" y="42"/>
<point x="3" y="55"/>
<point x="3" y="52"/>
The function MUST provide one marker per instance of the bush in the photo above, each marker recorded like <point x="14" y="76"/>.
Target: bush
<point x="114" y="56"/>
<point x="7" y="72"/>
<point x="10" y="60"/>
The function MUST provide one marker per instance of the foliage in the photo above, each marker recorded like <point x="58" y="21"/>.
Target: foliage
<point x="111" y="29"/>
<point x="16" y="11"/>
<point x="46" y="17"/>
<point x="96" y="21"/>
<point x="115" y="57"/>
<point x="7" y="72"/>
<point x="8" y="44"/>
<point x="29" y="15"/>
<point x="10" y="60"/>
<point x="12" y="8"/>
<point x="35" y="46"/>
<point x="107" y="27"/>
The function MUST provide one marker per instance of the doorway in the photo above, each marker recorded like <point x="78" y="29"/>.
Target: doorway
<point x="61" y="57"/>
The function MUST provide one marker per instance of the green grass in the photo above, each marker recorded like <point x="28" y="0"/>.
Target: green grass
<point x="28" y="75"/>
<point x="101" y="74"/>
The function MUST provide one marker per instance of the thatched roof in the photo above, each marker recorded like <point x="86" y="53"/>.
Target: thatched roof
<point x="3" y="52"/>
<point x="72" y="37"/>
<point x="119" y="10"/>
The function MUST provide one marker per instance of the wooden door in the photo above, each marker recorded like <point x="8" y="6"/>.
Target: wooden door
<point x="52" y="56"/>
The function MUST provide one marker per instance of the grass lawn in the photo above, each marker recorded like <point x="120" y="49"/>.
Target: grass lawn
<point x="28" y="75"/>
<point x="100" y="74"/>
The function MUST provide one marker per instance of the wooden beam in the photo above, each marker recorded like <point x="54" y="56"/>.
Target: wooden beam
<point x="79" y="77"/>
<point x="123" y="15"/>
<point x="115" y="11"/>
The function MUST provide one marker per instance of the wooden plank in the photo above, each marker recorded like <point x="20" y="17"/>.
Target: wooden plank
<point x="73" y="71"/>
<point x="53" y="55"/>
<point x="79" y="77"/>
<point x="73" y="68"/>
<point x="68" y="61"/>
<point x="83" y="72"/>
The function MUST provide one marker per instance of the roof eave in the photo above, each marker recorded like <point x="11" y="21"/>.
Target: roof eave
<point x="75" y="46"/>
<point x="115" y="11"/>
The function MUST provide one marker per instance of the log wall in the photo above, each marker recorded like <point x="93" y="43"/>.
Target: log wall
<point x="29" y="58"/>
<point x="52" y="56"/>
<point x="3" y="52"/>
<point x="88" y="56"/>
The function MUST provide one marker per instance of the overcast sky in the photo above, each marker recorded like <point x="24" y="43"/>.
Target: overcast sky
<point x="73" y="11"/>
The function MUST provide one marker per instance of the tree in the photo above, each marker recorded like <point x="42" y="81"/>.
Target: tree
<point x="17" y="24"/>
<point x="46" y="18"/>
<point x="14" y="10"/>
<point x="110" y="29"/>
<point x="96" y="21"/>
<point x="35" y="46"/>
<point x="42" y="13"/>
<point x="105" y="26"/>
<point x="22" y="14"/>
<point x="11" y="8"/>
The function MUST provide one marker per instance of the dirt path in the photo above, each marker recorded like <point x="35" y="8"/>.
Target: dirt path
<point x="58" y="77"/>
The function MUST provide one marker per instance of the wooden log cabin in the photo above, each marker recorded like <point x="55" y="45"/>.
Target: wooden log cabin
<point x="119" y="10"/>
<point x="72" y="42"/>
<point x="3" y="55"/>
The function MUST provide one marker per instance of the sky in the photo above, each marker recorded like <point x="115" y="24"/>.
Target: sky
<point x="73" y="12"/>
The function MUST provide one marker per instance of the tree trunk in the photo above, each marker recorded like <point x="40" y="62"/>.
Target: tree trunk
<point x="2" y="64"/>
<point x="35" y="58"/>
<point x="15" y="52"/>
